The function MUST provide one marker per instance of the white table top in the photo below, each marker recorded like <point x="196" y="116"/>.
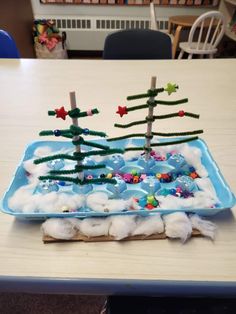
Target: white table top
<point x="29" y="88"/>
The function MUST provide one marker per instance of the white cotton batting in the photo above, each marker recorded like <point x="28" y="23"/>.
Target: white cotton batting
<point x="201" y="199"/>
<point x="178" y="225"/>
<point x="206" y="185"/>
<point x="206" y="227"/>
<point x="42" y="151"/>
<point x="122" y="226"/>
<point x="35" y="170"/>
<point x="149" y="225"/>
<point x="23" y="200"/>
<point x="94" y="227"/>
<point x="59" y="228"/>
<point x="100" y="202"/>
<point x="193" y="156"/>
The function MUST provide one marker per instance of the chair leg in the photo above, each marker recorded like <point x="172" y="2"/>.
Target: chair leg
<point x="211" y="56"/>
<point x="181" y="54"/>
<point x="190" y="56"/>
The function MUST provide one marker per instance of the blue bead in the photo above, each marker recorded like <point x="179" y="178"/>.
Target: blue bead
<point x="86" y="131"/>
<point x="191" y="169"/>
<point x="57" y="132"/>
<point x="62" y="183"/>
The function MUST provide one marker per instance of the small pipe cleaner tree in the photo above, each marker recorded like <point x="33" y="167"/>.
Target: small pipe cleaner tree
<point x="76" y="134"/>
<point x="151" y="103"/>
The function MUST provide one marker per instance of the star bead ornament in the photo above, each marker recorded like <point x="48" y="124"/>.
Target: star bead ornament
<point x="122" y="110"/>
<point x="171" y="88"/>
<point x="61" y="113"/>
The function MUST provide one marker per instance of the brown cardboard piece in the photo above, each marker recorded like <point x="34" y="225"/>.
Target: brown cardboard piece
<point x="81" y="237"/>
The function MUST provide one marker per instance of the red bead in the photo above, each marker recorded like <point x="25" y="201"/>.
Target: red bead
<point x="181" y="113"/>
<point x="149" y="206"/>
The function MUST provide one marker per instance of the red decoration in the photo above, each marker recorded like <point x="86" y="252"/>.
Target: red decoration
<point x="181" y="113"/>
<point x="122" y="110"/>
<point x="61" y="113"/>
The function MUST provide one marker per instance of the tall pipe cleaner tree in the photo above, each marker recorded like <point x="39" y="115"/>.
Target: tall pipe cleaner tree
<point x="151" y="103"/>
<point x="75" y="133"/>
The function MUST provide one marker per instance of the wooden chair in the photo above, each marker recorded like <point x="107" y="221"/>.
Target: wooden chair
<point x="137" y="44"/>
<point x="8" y="47"/>
<point x="209" y="28"/>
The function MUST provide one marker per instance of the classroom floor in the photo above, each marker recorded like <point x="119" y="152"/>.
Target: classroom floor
<point x="20" y="303"/>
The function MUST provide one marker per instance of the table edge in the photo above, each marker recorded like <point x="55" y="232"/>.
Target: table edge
<point x="97" y="286"/>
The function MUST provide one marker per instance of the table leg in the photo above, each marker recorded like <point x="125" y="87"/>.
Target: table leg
<point x="176" y="41"/>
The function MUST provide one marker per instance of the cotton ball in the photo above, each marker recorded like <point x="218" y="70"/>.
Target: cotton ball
<point x="75" y="222"/>
<point x="116" y="205"/>
<point x="122" y="226"/>
<point x="207" y="228"/>
<point x="149" y="225"/>
<point x="206" y="185"/>
<point x="59" y="228"/>
<point x="193" y="156"/>
<point x="42" y="151"/>
<point x="94" y="227"/>
<point x="177" y="225"/>
<point x="97" y="201"/>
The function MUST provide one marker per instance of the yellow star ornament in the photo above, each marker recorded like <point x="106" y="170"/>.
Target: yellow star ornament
<point x="171" y="88"/>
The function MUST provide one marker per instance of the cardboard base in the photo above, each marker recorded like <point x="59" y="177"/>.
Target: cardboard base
<point x="81" y="237"/>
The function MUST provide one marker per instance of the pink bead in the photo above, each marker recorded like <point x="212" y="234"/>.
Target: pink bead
<point x="89" y="112"/>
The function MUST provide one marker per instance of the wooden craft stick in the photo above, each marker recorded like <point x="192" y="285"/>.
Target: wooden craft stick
<point x="150" y="117"/>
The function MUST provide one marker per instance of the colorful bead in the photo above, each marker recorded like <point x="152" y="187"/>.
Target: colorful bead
<point x="181" y="113"/>
<point x="89" y="177"/>
<point x="143" y="176"/>
<point x="193" y="175"/>
<point x="65" y="209"/>
<point x="136" y="179"/>
<point x="85" y="131"/>
<point x="149" y="206"/>
<point x="142" y="202"/>
<point x="158" y="175"/>
<point x="150" y="199"/>
<point x="89" y="112"/>
<point x="127" y="177"/>
<point x="134" y="172"/>
<point x="109" y="175"/>
<point x="57" y="132"/>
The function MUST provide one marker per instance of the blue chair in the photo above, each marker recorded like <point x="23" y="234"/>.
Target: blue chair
<point x="8" y="47"/>
<point x="137" y="44"/>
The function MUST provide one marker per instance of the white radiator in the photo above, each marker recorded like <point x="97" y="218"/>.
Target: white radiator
<point x="89" y="32"/>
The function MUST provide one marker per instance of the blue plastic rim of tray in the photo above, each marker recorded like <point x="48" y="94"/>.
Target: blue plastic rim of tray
<point x="224" y="194"/>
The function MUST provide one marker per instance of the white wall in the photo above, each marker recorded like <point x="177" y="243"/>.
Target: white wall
<point x="109" y="10"/>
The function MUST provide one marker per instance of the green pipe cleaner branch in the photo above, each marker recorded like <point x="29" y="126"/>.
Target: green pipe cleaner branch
<point x="166" y="116"/>
<point x="75" y="113"/>
<point x="81" y="141"/>
<point x="53" y="157"/>
<point x="150" y="93"/>
<point x="77" y="180"/>
<point x="76" y="130"/>
<point x="158" y="102"/>
<point x="77" y="169"/>
<point x="162" y="144"/>
<point x="176" y="114"/>
<point x="110" y="151"/>
<point x="155" y="134"/>
<point x="79" y="156"/>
